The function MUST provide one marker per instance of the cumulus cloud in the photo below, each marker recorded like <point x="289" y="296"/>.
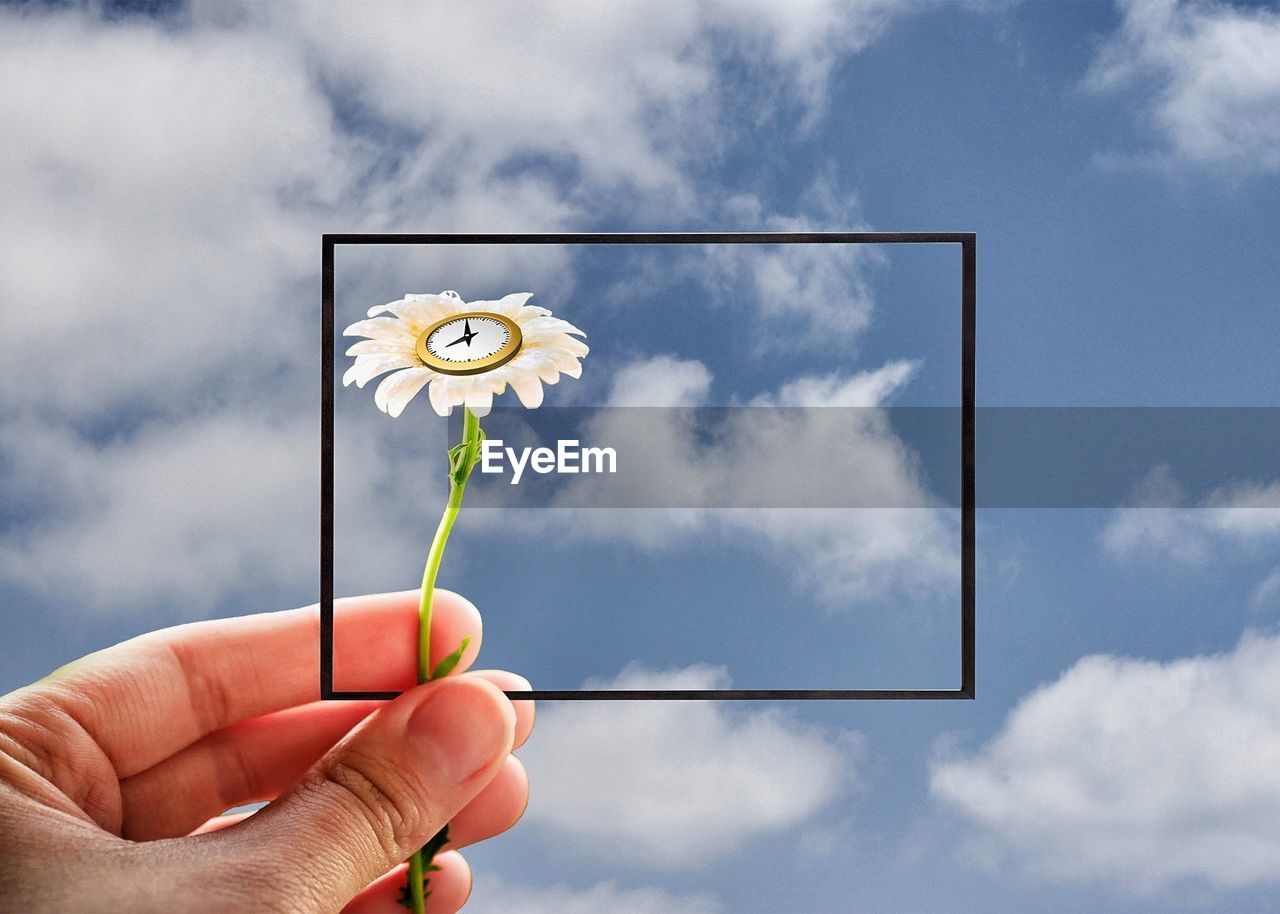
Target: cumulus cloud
<point x="1163" y="521"/>
<point x="493" y="895"/>
<point x="661" y="380"/>
<point x="1142" y="774"/>
<point x="794" y="295"/>
<point x="677" y="783"/>
<point x="159" y="203"/>
<point x="731" y="485"/>
<point x="166" y="187"/>
<point x="1209" y="76"/>
<point x="802" y="293"/>
<point x="627" y="91"/>
<point x="165" y="512"/>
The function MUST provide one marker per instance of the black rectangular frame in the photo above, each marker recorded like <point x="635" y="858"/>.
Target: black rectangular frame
<point x="968" y="547"/>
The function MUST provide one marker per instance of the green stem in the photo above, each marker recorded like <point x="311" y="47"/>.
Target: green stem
<point x="416" y="898"/>
<point x="462" y="460"/>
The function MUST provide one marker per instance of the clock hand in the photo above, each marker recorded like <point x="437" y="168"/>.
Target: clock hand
<point x="462" y="339"/>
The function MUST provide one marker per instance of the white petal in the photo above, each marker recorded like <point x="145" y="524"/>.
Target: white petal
<point x="382" y="328"/>
<point x="479" y="400"/>
<point x="557" y="342"/>
<point x="380" y="347"/>
<point x="568" y="361"/>
<point x="368" y="367"/>
<point x="529" y="312"/>
<point x="419" y="311"/>
<point x="548" y="324"/>
<point x="423" y="311"/>
<point x="438" y="393"/>
<point x="527" y="388"/>
<point x="565" y="362"/>
<point x="547" y="370"/>
<point x="508" y="305"/>
<point x="382" y="309"/>
<point x="396" y="390"/>
<point x="466" y="389"/>
<point x="416" y="314"/>
<point x="448" y="303"/>
<point x="533" y="361"/>
<point x="495" y="381"/>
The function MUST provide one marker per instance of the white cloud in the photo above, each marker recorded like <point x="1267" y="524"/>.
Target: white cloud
<point x="862" y="390"/>
<point x="677" y="783"/>
<point x="493" y="895"/>
<point x="159" y="204"/>
<point x="1248" y="510"/>
<point x="794" y="297"/>
<point x="1155" y="522"/>
<point x="165" y="512"/>
<point x="802" y="294"/>
<point x="806" y="37"/>
<point x="1163" y="521"/>
<point x="679" y="482"/>
<point x="1137" y="773"/>
<point x="1210" y="76"/>
<point x="1267" y="593"/>
<point x="166" y="186"/>
<point x="661" y="380"/>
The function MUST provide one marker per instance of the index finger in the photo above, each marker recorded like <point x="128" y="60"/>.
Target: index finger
<point x="146" y="698"/>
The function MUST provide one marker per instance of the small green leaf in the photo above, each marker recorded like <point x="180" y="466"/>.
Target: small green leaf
<point x="439" y="840"/>
<point x="445" y="666"/>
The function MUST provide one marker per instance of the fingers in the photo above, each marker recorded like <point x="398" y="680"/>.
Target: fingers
<point x="218" y="823"/>
<point x="496" y="808"/>
<point x="383" y="791"/>
<point x="525" y="708"/>
<point x="381" y="654"/>
<point x="449" y="889"/>
<point x="256" y="760"/>
<point x="247" y="762"/>
<point x="147" y="698"/>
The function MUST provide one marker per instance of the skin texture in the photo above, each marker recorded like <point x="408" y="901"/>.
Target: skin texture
<point x="114" y="769"/>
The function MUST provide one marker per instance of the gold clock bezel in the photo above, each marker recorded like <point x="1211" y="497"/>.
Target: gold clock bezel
<point x="488" y="363"/>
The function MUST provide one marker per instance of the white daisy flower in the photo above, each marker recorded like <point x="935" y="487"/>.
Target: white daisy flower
<point x="468" y="352"/>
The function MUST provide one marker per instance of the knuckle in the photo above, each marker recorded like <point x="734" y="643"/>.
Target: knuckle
<point x="29" y="739"/>
<point x="383" y="800"/>
<point x="211" y="697"/>
<point x="41" y="733"/>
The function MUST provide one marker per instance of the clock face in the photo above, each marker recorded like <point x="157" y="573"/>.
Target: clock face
<point x="469" y="343"/>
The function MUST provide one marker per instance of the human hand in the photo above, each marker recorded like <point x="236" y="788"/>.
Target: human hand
<point x="114" y="769"/>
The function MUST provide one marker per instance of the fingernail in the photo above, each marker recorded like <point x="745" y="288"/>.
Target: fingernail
<point x="460" y="727"/>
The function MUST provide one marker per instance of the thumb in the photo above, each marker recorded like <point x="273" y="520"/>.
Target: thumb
<point x="384" y="790"/>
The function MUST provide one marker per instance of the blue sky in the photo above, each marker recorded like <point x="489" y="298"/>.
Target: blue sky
<point x="170" y="173"/>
